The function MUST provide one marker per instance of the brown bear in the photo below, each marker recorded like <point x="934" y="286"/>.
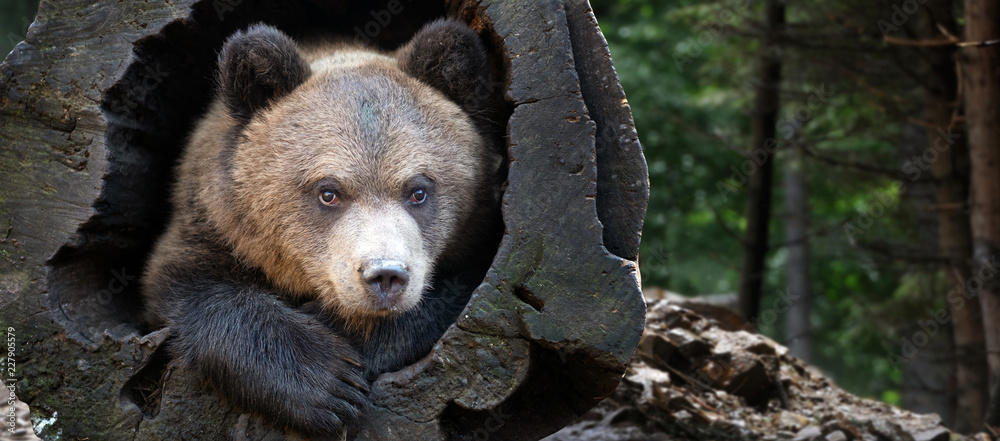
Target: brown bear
<point x="325" y="210"/>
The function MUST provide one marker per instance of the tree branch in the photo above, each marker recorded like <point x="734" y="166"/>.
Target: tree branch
<point x="939" y="42"/>
<point x="906" y="253"/>
<point x="860" y="166"/>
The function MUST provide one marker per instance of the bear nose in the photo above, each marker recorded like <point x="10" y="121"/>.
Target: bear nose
<point x="386" y="279"/>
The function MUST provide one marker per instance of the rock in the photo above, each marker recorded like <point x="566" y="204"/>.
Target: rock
<point x="761" y="348"/>
<point x="718" y="374"/>
<point x="745" y="341"/>
<point x="653" y="383"/>
<point x="836" y="436"/>
<point x="657" y="347"/>
<point x="838" y="423"/>
<point x="748" y="378"/>
<point x="687" y="343"/>
<point x="938" y="434"/>
<point x="808" y="434"/>
<point x="668" y="316"/>
<point x="889" y="429"/>
<point x="791" y="421"/>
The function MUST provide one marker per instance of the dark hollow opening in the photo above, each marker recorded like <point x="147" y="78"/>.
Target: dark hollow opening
<point x="518" y="418"/>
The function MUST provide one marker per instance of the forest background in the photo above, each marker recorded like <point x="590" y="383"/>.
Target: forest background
<point x="831" y="166"/>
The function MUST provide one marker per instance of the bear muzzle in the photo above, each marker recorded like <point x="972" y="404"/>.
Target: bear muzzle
<point x="386" y="281"/>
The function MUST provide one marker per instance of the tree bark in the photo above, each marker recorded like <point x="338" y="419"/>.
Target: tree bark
<point x="950" y="173"/>
<point x="981" y="75"/>
<point x="767" y="103"/>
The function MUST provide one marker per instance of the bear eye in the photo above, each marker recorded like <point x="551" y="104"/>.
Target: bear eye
<point x="418" y="197"/>
<point x="329" y="198"/>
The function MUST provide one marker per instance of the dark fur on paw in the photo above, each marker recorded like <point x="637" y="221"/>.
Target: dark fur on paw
<point x="276" y="361"/>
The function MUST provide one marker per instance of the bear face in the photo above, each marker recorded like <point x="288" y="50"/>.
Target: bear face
<point x="315" y="202"/>
<point x="369" y="186"/>
<point x="340" y="172"/>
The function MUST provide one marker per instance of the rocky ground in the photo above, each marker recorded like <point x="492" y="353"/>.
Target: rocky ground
<point x="693" y="379"/>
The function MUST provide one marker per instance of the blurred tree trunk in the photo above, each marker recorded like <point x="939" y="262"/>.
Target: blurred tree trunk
<point x="982" y="98"/>
<point x="797" y="269"/>
<point x="951" y="192"/>
<point x="765" y="115"/>
<point x="950" y="173"/>
<point x="993" y="412"/>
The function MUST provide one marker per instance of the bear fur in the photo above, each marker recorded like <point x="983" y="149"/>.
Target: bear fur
<point x="329" y="218"/>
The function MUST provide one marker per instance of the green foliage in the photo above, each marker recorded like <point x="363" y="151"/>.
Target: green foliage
<point x="681" y="119"/>
<point x="891" y="397"/>
<point x="15" y="16"/>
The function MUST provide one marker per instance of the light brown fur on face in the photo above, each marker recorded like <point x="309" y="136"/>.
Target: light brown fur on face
<point x="381" y="130"/>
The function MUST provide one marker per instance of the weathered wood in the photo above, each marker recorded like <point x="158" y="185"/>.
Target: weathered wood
<point x="95" y="105"/>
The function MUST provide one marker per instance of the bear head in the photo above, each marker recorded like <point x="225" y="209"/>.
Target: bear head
<point x="350" y="173"/>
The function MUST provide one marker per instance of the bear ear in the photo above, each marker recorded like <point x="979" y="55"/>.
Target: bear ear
<point x="450" y="57"/>
<point x="257" y="66"/>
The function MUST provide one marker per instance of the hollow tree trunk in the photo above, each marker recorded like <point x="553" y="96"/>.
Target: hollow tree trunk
<point x="763" y="141"/>
<point x="94" y="107"/>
